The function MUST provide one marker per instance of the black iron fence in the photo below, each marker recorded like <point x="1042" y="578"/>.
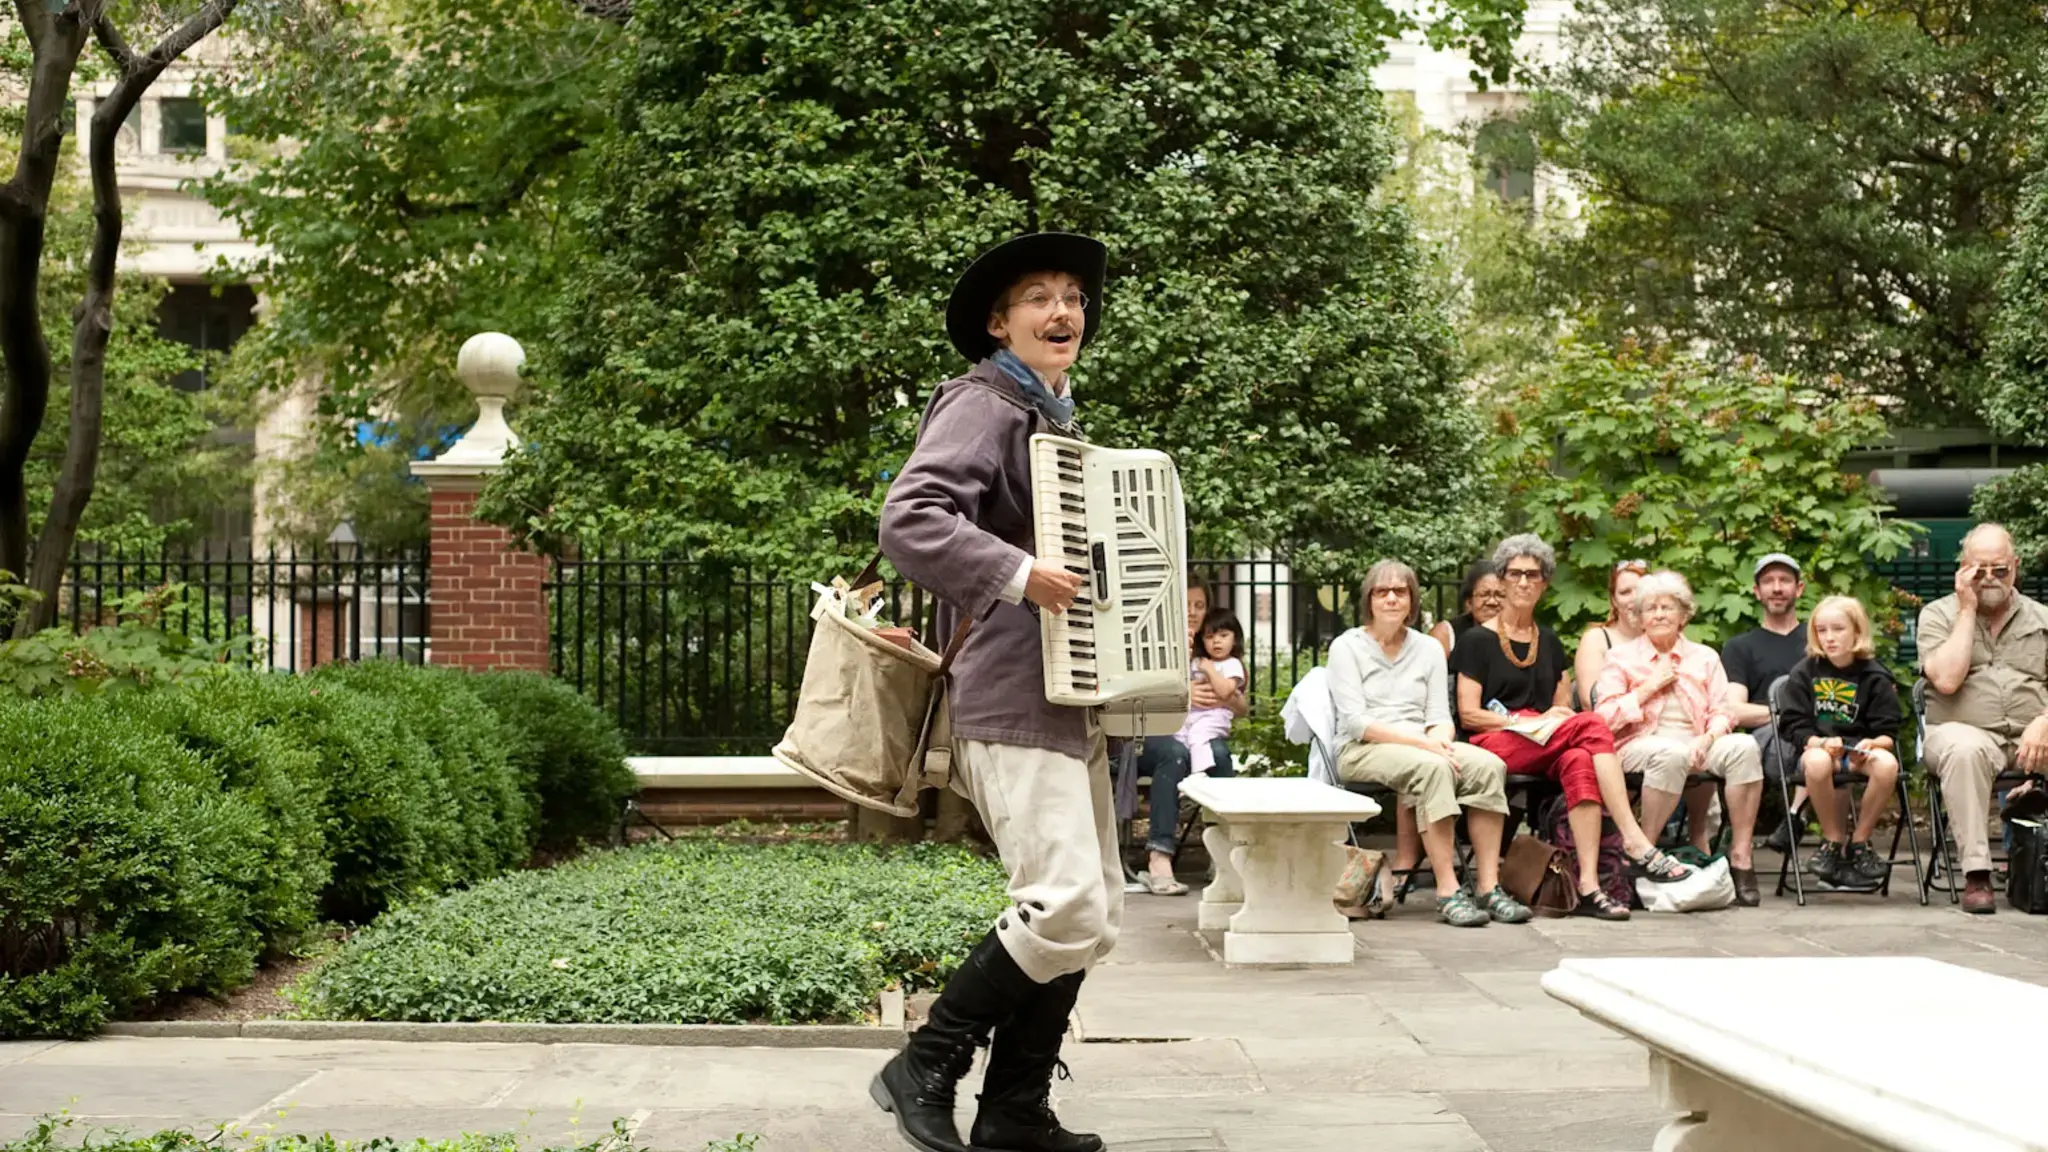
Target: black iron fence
<point x="695" y="659"/>
<point x="298" y="608"/>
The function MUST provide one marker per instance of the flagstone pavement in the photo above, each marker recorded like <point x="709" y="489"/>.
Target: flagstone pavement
<point x="1435" y="1040"/>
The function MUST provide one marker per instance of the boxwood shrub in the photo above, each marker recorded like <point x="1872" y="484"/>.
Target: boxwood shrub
<point x="164" y="840"/>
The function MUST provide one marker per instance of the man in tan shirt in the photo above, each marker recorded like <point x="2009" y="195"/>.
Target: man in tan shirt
<point x="1984" y="651"/>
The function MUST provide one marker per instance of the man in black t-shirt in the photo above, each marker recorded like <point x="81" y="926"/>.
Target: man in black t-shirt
<point x="1755" y="659"/>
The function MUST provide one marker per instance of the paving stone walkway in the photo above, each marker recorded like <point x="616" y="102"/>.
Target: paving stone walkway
<point x="1436" y="1040"/>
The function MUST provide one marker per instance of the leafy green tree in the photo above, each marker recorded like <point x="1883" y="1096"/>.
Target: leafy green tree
<point x="160" y="470"/>
<point x="41" y="54"/>
<point x="1487" y="253"/>
<point x="2018" y="401"/>
<point x="1700" y="469"/>
<point x="407" y="169"/>
<point x="736" y="364"/>
<point x="1828" y="187"/>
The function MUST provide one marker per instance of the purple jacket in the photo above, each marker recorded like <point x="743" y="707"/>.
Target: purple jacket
<point x="958" y="523"/>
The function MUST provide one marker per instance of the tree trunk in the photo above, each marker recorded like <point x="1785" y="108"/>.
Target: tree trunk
<point x="56" y="41"/>
<point x="92" y="322"/>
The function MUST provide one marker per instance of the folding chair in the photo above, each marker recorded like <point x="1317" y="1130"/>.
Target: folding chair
<point x="1322" y="765"/>
<point x="1941" y="869"/>
<point x="1791" y="868"/>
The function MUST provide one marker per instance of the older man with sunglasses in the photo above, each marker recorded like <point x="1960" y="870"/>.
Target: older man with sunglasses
<point x="1984" y="651"/>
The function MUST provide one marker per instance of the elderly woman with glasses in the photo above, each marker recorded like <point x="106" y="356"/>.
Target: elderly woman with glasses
<point x="1514" y="699"/>
<point x="1666" y="700"/>
<point x="1394" y="717"/>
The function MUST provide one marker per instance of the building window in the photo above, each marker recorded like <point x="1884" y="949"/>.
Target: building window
<point x="207" y="318"/>
<point x="1504" y="151"/>
<point x="184" y="126"/>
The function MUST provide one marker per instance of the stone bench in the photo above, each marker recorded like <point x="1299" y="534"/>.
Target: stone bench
<point x="1276" y="850"/>
<point x="690" y="772"/>
<point x="1826" y="1054"/>
<point x="693" y="790"/>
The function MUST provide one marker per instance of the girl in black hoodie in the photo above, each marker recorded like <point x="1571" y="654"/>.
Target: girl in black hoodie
<point x="1842" y="708"/>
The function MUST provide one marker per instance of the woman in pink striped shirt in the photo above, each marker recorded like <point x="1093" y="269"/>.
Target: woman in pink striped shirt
<point x="1666" y="700"/>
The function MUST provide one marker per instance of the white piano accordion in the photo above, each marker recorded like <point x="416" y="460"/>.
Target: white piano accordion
<point x="1115" y="516"/>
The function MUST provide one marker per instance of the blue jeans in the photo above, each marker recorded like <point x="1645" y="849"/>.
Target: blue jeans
<point x="1166" y="760"/>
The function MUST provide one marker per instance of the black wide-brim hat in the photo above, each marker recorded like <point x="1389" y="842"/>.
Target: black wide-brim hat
<point x="974" y="297"/>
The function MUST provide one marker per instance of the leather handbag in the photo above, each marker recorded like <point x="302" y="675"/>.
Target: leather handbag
<point x="1540" y="876"/>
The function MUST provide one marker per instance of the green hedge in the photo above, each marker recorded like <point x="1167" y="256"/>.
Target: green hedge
<point x="698" y="931"/>
<point x="165" y="840"/>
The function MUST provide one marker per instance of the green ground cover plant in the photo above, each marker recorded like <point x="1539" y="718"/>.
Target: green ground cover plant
<point x="696" y="931"/>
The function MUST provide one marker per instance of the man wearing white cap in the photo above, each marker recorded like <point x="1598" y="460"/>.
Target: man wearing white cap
<point x="1755" y="659"/>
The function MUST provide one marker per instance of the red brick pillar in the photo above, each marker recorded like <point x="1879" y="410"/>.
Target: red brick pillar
<point x="487" y="607"/>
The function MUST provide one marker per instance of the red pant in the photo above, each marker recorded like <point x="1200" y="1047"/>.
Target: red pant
<point x="1567" y="758"/>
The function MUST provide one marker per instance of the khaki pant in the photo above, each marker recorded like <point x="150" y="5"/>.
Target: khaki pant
<point x="1426" y="781"/>
<point x="1665" y="761"/>
<point x="1967" y="760"/>
<point x="1051" y="819"/>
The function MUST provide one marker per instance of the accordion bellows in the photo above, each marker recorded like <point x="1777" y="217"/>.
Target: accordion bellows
<point x="1115" y="516"/>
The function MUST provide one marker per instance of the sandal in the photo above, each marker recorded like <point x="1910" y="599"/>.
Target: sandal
<point x="1162" y="885"/>
<point x="1459" y="911"/>
<point x="1600" y="906"/>
<point x="1658" y="867"/>
<point x="1505" y="908"/>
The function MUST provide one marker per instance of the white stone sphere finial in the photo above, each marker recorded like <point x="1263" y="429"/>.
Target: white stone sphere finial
<point x="488" y="366"/>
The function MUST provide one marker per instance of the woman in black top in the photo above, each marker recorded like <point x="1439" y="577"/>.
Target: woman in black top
<point x="1512" y="671"/>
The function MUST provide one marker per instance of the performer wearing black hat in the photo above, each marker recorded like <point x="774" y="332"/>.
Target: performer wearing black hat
<point x="958" y="522"/>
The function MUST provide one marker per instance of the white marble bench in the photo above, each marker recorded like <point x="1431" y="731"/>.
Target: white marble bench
<point x="1826" y="1054"/>
<point x="692" y="772"/>
<point x="1277" y="856"/>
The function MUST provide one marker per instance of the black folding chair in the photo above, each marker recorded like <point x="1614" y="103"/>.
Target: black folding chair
<point x="1792" y="869"/>
<point x="1941" y="870"/>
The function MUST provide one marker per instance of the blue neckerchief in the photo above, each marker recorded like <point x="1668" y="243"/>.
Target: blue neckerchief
<point x="1057" y="410"/>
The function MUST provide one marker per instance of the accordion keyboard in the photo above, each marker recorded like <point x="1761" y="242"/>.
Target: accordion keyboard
<point x="1113" y="517"/>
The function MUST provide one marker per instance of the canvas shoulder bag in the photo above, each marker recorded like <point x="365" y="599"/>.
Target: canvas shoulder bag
<point x="872" y="724"/>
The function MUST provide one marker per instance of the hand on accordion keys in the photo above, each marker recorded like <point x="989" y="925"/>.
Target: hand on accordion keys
<point x="1052" y="585"/>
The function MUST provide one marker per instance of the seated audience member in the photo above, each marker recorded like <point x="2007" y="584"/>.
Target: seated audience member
<point x="1754" y="661"/>
<point x="1394" y="719"/>
<point x="1512" y="673"/>
<point x="1168" y="760"/>
<point x="1666" y="700"/>
<point x="1620" y="627"/>
<point x="1479" y="599"/>
<point x="1984" y="651"/>
<point x="1842" y="711"/>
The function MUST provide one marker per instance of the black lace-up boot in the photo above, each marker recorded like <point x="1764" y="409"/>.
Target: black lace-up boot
<point x="918" y="1085"/>
<point x="1016" y="1093"/>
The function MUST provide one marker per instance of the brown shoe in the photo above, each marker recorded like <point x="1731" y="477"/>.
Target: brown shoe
<point x="1978" y="898"/>
<point x="1746" y="892"/>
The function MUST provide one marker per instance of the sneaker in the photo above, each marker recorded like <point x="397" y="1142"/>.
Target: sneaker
<point x="1827" y="863"/>
<point x="1865" y="866"/>
<point x="1790" y="831"/>
<point x="1459" y="911"/>
<point x="1505" y="908"/>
